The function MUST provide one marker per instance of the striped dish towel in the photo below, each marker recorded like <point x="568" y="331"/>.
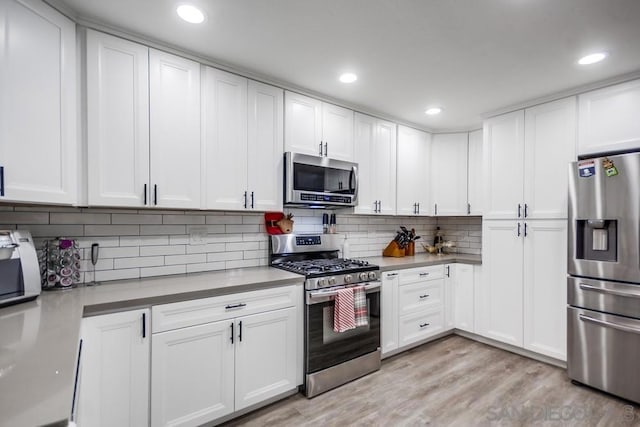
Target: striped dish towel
<point x="360" y="306"/>
<point x="343" y="311"/>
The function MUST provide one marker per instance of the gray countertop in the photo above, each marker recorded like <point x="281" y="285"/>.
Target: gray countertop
<point x="421" y="260"/>
<point x="39" y="339"/>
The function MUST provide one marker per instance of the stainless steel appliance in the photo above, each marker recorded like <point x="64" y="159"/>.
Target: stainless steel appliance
<point x="331" y="358"/>
<point x="19" y="272"/>
<point x="603" y="319"/>
<point x="319" y="181"/>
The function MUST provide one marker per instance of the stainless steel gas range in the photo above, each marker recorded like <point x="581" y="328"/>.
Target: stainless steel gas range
<point x="331" y="358"/>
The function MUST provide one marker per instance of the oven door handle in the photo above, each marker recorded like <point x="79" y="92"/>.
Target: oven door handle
<point x="585" y="287"/>
<point x="320" y="296"/>
<point x="611" y="325"/>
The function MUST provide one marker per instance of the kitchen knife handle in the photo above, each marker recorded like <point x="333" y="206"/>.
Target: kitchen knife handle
<point x="145" y="194"/>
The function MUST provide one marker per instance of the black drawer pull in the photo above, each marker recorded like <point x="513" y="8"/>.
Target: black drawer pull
<point x="424" y="274"/>
<point x="424" y="325"/>
<point x="232" y="306"/>
<point x="424" y="296"/>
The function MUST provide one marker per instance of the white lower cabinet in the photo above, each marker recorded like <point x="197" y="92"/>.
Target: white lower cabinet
<point x="113" y="376"/>
<point x="389" y="311"/>
<point x="463" y="289"/>
<point x="209" y="369"/>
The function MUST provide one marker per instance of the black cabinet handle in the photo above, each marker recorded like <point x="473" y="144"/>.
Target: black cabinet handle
<point x="232" y="306"/>
<point x="240" y="333"/>
<point x="379" y="206"/>
<point x="418" y="208"/>
<point x="1" y="181"/>
<point x="155" y="194"/>
<point x="526" y="210"/>
<point x="435" y="209"/>
<point x="424" y="324"/>
<point x="144" y="325"/>
<point x="525" y="229"/>
<point x="326" y="151"/>
<point x="468" y="208"/>
<point x="448" y="271"/>
<point x="518" y="229"/>
<point x="231" y="332"/>
<point x="245" y="200"/>
<point x="423" y="274"/>
<point x="519" y="209"/>
<point x="252" y="200"/>
<point x="415" y="208"/>
<point x="145" y="194"/>
<point x="424" y="296"/>
<point x="320" y="149"/>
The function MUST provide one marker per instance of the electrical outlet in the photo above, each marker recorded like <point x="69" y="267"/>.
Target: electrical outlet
<point x="197" y="236"/>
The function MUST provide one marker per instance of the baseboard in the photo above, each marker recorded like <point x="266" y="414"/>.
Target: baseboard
<point x="252" y="408"/>
<point x="513" y="349"/>
<point x="417" y="344"/>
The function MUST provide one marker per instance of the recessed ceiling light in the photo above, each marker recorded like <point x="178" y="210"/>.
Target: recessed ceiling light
<point x="433" y="111"/>
<point x="190" y="13"/>
<point x="348" y="78"/>
<point x="592" y="58"/>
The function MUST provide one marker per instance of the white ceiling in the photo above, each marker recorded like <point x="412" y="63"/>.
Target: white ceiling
<point x="468" y="56"/>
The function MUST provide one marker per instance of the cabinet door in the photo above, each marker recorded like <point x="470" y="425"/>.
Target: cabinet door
<point x="421" y="325"/>
<point x="463" y="295"/>
<point x="337" y="132"/>
<point x="224" y="119"/>
<point x="450" y="279"/>
<point x="609" y="119"/>
<point x="365" y="138"/>
<point x="265" y="356"/>
<point x="114" y="370"/>
<point x="265" y="153"/>
<point x="545" y="284"/>
<point x="174" y="87"/>
<point x="501" y="293"/>
<point x="117" y="121"/>
<point x="550" y="145"/>
<point x="192" y="375"/>
<point x="449" y="173"/>
<point x="413" y="172"/>
<point x="389" y="319"/>
<point x="302" y="124"/>
<point x="475" y="174"/>
<point x="38" y="148"/>
<point x="503" y="152"/>
<point x="384" y="162"/>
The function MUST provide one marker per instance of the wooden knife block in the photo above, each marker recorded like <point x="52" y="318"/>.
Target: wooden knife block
<point x="393" y="250"/>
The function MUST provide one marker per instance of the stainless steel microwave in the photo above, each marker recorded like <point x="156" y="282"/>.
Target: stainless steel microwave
<point x="312" y="181"/>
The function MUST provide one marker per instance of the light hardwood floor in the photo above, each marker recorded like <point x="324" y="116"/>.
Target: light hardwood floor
<point x="453" y="382"/>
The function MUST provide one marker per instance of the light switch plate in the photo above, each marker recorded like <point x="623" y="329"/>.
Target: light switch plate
<point x="198" y="236"/>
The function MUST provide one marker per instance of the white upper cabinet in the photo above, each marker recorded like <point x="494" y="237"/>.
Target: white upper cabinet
<point x="475" y="182"/>
<point x="224" y="118"/>
<point x="375" y="153"/>
<point x="414" y="151"/>
<point x="449" y="173"/>
<point x="503" y="152"/>
<point x="609" y="119"/>
<point x="38" y="147"/>
<point x="117" y="121"/>
<point x="265" y="140"/>
<point x="317" y="128"/>
<point x="174" y="86"/>
<point x="526" y="154"/>
<point x="337" y="132"/>
<point x="550" y="136"/>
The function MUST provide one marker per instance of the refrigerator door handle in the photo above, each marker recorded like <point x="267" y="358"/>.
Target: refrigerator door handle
<point x="585" y="287"/>
<point x="611" y="325"/>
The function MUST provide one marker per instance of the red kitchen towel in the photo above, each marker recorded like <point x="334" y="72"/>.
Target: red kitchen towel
<point x="344" y="317"/>
<point x="360" y="306"/>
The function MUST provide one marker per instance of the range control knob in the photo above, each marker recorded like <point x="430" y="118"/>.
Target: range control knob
<point x="332" y="280"/>
<point x="373" y="275"/>
<point x="363" y="276"/>
<point x="322" y="282"/>
<point x="348" y="278"/>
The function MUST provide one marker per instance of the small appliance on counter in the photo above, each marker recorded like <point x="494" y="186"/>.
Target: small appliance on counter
<point x="19" y="271"/>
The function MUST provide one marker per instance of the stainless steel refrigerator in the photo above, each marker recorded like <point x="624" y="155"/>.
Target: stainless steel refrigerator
<point x="603" y="313"/>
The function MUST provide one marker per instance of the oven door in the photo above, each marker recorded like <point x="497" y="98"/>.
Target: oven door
<point x="326" y="348"/>
<point x="311" y="180"/>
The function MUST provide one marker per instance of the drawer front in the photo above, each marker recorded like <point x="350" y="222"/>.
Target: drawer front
<point x="420" y="296"/>
<point x="182" y="314"/>
<point x="412" y="275"/>
<point x="419" y="326"/>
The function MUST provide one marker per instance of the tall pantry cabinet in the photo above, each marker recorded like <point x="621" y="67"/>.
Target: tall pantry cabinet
<point x="526" y="157"/>
<point x="38" y="108"/>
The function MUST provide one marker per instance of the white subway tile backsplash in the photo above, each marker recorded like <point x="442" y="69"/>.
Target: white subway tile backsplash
<point x="146" y="242"/>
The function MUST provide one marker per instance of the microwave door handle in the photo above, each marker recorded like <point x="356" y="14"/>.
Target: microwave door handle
<point x="354" y="177"/>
